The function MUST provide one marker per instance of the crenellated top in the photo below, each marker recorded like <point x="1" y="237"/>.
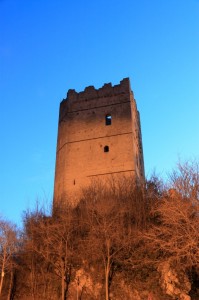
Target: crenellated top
<point x="106" y="91"/>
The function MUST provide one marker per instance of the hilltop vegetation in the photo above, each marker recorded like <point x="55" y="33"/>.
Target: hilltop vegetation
<point x="120" y="242"/>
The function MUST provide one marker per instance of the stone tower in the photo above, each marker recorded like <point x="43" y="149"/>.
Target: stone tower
<point x="99" y="136"/>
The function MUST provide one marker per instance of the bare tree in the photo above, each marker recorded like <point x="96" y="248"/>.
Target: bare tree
<point x="176" y="237"/>
<point x="52" y="241"/>
<point x="109" y="227"/>
<point x="34" y="263"/>
<point x="8" y="247"/>
<point x="174" y="234"/>
<point x="185" y="180"/>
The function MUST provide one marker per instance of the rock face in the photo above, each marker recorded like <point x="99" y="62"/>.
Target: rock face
<point x="99" y="136"/>
<point x="84" y="287"/>
<point x="87" y="286"/>
<point x="173" y="283"/>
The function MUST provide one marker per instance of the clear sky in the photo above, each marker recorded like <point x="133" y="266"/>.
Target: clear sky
<point x="48" y="47"/>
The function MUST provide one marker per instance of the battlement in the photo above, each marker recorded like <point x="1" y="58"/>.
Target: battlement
<point x="106" y="91"/>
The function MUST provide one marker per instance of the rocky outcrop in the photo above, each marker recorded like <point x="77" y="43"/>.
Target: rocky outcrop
<point x="173" y="283"/>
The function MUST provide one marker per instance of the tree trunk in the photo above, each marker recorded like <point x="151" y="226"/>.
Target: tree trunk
<point x="107" y="283"/>
<point x="63" y="283"/>
<point x="32" y="276"/>
<point x="10" y="285"/>
<point x="1" y="282"/>
<point x="107" y="268"/>
<point x="107" y="272"/>
<point x="62" y="288"/>
<point x="2" y="274"/>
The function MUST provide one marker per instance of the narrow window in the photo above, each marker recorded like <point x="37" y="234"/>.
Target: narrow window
<point x="74" y="182"/>
<point x="106" y="148"/>
<point x="108" y="119"/>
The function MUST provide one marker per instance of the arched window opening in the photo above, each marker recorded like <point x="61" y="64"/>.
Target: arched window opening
<point x="106" y="148"/>
<point x="108" y="119"/>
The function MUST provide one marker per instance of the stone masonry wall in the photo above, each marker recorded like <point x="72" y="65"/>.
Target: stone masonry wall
<point x="83" y="136"/>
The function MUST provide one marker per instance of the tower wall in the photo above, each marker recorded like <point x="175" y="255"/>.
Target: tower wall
<point x="89" y="147"/>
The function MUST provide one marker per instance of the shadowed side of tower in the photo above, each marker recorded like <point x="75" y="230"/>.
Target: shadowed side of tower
<point x="99" y="136"/>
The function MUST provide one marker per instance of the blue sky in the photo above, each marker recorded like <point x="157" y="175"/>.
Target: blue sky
<point x="48" y="47"/>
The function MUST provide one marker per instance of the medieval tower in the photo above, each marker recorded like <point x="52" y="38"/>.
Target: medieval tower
<point x="99" y="136"/>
